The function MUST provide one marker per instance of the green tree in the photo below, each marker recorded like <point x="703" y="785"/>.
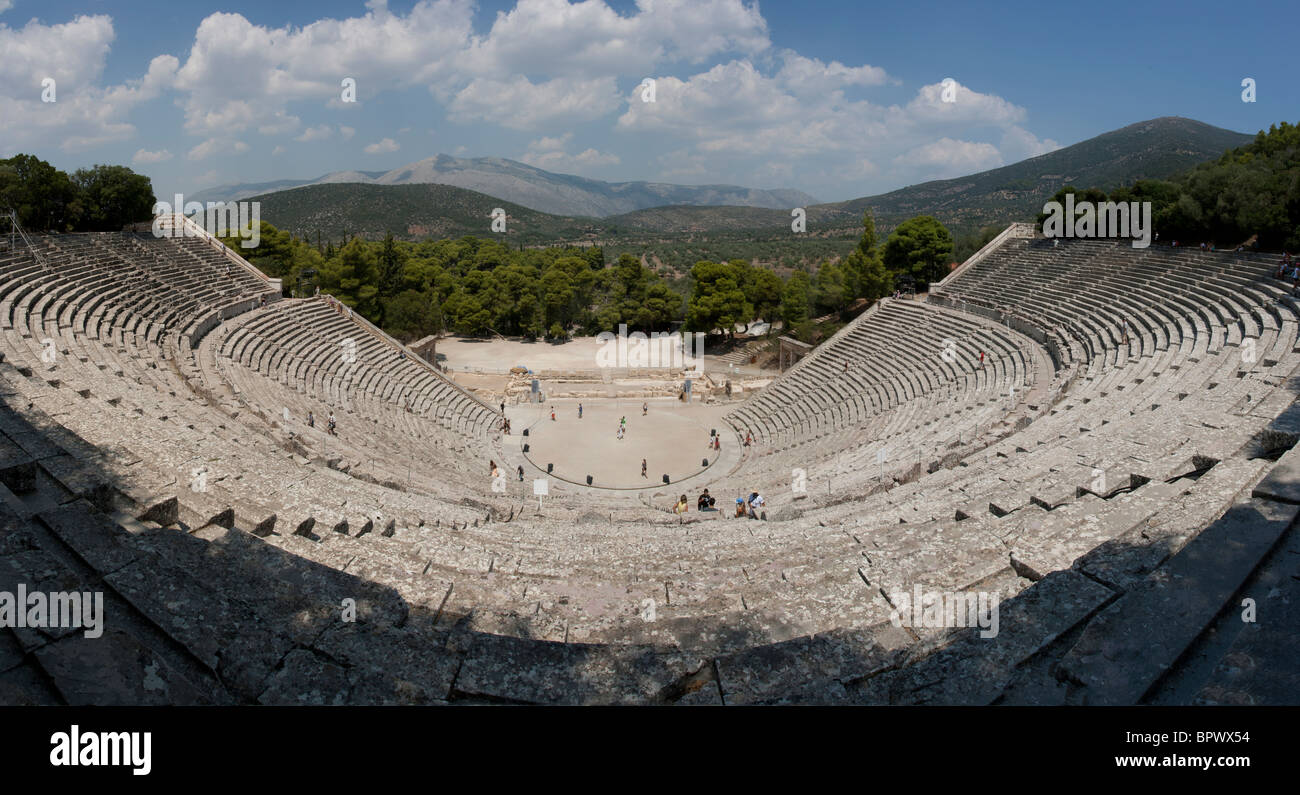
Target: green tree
<point x="763" y="290"/>
<point x="831" y="289"/>
<point x="920" y="247"/>
<point x="391" y="262"/>
<point x="410" y="315"/>
<point x="865" y="274"/>
<point x="795" y="298"/>
<point x="353" y="277"/>
<point x="44" y="197"/>
<point x="1093" y="195"/>
<point x="967" y="244"/>
<point x="112" y="197"/>
<point x="718" y="299"/>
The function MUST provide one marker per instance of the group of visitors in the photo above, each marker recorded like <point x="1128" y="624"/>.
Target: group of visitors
<point x="751" y="506"/>
<point x="1289" y="269"/>
<point x="331" y="426"/>
<point x="1286" y="269"/>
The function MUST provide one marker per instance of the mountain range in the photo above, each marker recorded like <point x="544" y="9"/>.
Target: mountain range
<point x="337" y="204"/>
<point x="1155" y="149"/>
<point x="534" y="188"/>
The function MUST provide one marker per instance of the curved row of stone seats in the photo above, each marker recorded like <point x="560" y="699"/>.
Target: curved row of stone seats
<point x="956" y="415"/>
<point x="1085" y="290"/>
<point x="168" y="445"/>
<point x="1274" y="341"/>
<point x="894" y="353"/>
<point x="919" y="436"/>
<point x="123" y="360"/>
<point x="321" y="351"/>
<point x="399" y="422"/>
<point x="373" y="438"/>
<point x="1180" y="408"/>
<point x="116" y="284"/>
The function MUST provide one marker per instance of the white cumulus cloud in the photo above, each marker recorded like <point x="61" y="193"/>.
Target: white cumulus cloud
<point x="144" y="156"/>
<point x="380" y="147"/>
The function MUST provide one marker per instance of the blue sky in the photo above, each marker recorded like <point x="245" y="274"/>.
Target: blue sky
<point x="839" y="99"/>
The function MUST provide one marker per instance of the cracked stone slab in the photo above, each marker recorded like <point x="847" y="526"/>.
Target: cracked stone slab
<point x="971" y="670"/>
<point x="810" y="670"/>
<point x="542" y="672"/>
<point x="297" y="595"/>
<point x="25" y="686"/>
<point x="388" y="665"/>
<point x="114" y="670"/>
<point x="1055" y="541"/>
<point x="307" y="679"/>
<point x="221" y="632"/>
<point x="1131" y="644"/>
<point x="22" y="561"/>
<point x="1260" y="666"/>
<point x="1282" y="483"/>
<point x="11" y="654"/>
<point x="95" y="538"/>
<point x="1125" y="560"/>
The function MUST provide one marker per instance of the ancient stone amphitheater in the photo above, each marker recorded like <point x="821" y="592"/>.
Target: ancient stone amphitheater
<point x="1100" y="435"/>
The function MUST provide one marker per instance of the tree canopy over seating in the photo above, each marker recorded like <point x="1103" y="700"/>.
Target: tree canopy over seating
<point x="99" y="198"/>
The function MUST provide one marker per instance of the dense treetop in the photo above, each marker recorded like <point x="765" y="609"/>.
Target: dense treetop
<point x="100" y="198"/>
